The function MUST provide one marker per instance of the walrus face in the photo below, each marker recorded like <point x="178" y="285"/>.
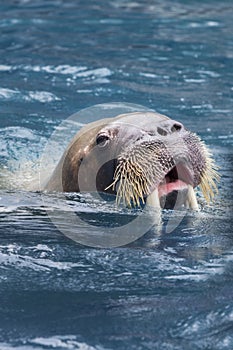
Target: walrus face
<point x="142" y="158"/>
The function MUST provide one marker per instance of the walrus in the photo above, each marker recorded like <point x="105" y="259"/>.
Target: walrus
<point x="140" y="157"/>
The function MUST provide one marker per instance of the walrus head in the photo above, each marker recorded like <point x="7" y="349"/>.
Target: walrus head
<point x="140" y="157"/>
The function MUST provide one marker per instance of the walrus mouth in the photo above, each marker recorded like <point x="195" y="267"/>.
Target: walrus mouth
<point x="176" y="189"/>
<point x="173" y="191"/>
<point x="152" y="173"/>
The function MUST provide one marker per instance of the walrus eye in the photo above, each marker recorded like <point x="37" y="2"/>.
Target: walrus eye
<point x="102" y="140"/>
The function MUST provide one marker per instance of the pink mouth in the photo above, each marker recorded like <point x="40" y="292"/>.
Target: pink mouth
<point x="177" y="179"/>
<point x="165" y="188"/>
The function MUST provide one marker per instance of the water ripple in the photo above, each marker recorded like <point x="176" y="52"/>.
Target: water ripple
<point x="211" y="327"/>
<point x="41" y="96"/>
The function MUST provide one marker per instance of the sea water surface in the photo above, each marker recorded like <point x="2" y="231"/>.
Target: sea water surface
<point x="171" y="290"/>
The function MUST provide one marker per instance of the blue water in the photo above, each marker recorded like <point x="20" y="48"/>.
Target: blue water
<point x="165" y="291"/>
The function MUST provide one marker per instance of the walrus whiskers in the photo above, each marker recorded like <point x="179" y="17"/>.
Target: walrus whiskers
<point x="210" y="177"/>
<point x="130" y="180"/>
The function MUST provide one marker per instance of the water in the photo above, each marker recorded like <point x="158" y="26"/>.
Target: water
<point x="165" y="291"/>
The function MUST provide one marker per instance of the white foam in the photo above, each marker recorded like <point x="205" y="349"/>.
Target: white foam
<point x="42" y="96"/>
<point x="5" y="68"/>
<point x="18" y="132"/>
<point x="64" y="342"/>
<point x="58" y="342"/>
<point x="12" y="257"/>
<point x="203" y="24"/>
<point x="98" y="73"/>
<point x="212" y="24"/>
<point x="60" y="69"/>
<point x="75" y="71"/>
<point x="197" y="81"/>
<point x="149" y="75"/>
<point x="8" y="93"/>
<point x="209" y="73"/>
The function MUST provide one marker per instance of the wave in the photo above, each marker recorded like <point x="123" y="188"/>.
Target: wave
<point x="59" y="342"/>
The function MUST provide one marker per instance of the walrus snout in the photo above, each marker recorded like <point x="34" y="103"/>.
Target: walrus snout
<point x="163" y="166"/>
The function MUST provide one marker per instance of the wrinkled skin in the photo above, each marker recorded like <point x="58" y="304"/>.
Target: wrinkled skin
<point x="138" y="157"/>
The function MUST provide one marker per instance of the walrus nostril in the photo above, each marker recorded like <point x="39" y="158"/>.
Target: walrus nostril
<point x="176" y="127"/>
<point x="161" y="131"/>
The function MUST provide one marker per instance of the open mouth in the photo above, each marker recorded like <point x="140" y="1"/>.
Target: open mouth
<point x="175" y="190"/>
